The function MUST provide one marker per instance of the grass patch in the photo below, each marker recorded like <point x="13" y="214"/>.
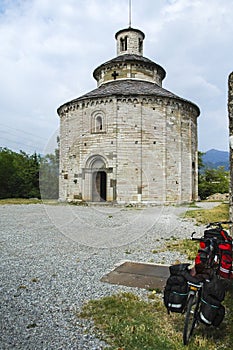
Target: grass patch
<point x="229" y="317"/>
<point x="20" y="201"/>
<point x="127" y="323"/>
<point x="27" y="201"/>
<point x="204" y="216"/>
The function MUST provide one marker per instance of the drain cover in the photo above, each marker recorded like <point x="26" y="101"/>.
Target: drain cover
<point x="140" y="275"/>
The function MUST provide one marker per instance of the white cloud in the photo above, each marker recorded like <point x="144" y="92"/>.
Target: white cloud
<point x="49" y="49"/>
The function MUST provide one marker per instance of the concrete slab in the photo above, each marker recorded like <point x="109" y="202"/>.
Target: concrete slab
<point x="140" y="275"/>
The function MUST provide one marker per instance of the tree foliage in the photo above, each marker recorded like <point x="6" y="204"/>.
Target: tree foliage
<point x="211" y="181"/>
<point x="20" y="172"/>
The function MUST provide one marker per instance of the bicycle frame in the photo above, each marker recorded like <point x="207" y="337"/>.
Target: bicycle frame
<point x="194" y="287"/>
<point x="192" y="309"/>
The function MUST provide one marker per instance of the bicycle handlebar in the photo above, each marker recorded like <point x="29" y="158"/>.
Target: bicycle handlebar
<point x="209" y="239"/>
<point x="195" y="238"/>
<point x="218" y="223"/>
<point x="210" y="224"/>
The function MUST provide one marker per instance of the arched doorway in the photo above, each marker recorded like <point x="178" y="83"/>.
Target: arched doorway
<point x="99" y="186"/>
<point x="96" y="179"/>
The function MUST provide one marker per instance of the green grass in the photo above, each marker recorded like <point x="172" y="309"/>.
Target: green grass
<point x="127" y="323"/>
<point x="20" y="201"/>
<point x="204" y="216"/>
<point x="39" y="201"/>
<point x="27" y="201"/>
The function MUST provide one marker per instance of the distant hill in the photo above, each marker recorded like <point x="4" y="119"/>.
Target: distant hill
<point x="214" y="158"/>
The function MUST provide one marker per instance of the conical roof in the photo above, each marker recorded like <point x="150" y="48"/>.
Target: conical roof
<point x="129" y="88"/>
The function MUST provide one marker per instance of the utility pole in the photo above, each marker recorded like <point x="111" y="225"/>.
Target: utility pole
<point x="230" y="116"/>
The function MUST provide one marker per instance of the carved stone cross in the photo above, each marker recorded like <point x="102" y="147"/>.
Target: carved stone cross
<point x="114" y="75"/>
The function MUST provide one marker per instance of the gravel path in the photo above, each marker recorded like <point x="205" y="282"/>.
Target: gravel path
<point x="52" y="259"/>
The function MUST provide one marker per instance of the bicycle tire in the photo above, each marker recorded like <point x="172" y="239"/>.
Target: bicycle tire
<point x="190" y="318"/>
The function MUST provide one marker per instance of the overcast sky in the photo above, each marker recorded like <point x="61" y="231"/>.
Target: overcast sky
<point x="49" y="49"/>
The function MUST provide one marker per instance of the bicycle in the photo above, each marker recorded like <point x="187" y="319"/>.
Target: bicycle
<point x="194" y="299"/>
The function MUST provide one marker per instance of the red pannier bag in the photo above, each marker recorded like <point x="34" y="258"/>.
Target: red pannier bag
<point x="225" y="252"/>
<point x="226" y="258"/>
<point x="201" y="257"/>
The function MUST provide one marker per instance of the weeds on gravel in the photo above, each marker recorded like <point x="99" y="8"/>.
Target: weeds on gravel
<point x="184" y="246"/>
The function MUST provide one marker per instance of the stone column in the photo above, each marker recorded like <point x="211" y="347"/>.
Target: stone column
<point x="230" y="115"/>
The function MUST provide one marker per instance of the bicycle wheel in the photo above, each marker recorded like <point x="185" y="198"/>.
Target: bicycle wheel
<point x="190" y="318"/>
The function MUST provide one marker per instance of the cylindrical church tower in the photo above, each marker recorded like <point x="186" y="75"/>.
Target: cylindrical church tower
<point x="130" y="41"/>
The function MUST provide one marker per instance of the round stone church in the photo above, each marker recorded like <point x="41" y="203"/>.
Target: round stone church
<point x="129" y="140"/>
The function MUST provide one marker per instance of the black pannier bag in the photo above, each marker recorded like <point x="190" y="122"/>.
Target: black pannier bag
<point x="176" y="289"/>
<point x="216" y="232"/>
<point x="212" y="312"/>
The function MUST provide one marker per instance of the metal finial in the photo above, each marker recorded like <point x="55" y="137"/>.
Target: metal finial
<point x="130" y="7"/>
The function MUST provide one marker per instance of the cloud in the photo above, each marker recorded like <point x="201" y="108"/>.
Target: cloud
<point x="49" y="50"/>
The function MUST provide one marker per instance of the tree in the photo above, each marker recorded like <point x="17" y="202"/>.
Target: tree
<point x="213" y="181"/>
<point x="19" y="174"/>
<point x="28" y="176"/>
<point x="7" y="180"/>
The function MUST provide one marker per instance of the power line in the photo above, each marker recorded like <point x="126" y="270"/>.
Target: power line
<point x="20" y="144"/>
<point x="23" y="131"/>
<point x="15" y="134"/>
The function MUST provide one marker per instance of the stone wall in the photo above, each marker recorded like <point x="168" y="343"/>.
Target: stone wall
<point x="133" y="41"/>
<point x="128" y="70"/>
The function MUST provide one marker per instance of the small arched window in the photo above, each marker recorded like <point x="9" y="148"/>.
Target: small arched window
<point x="140" y="45"/>
<point x="124" y="42"/>
<point x="98" y="123"/>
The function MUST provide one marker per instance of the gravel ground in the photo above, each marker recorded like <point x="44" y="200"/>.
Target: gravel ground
<point x="52" y="260"/>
